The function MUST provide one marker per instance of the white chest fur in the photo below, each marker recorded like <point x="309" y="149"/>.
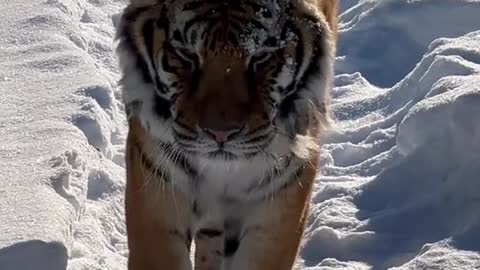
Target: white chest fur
<point x="226" y="189"/>
<point x="230" y="179"/>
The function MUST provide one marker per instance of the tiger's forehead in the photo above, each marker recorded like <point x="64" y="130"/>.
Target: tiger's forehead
<point x="244" y="25"/>
<point x="262" y="8"/>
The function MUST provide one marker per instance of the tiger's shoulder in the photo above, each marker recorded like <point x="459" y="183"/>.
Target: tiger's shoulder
<point x="328" y="9"/>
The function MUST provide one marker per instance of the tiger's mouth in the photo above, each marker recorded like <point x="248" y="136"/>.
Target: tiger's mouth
<point x="225" y="145"/>
<point x="222" y="154"/>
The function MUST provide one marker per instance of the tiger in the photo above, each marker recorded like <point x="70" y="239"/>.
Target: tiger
<point x="227" y="102"/>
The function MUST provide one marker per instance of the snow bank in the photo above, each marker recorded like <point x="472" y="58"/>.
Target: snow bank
<point x="401" y="180"/>
<point x="34" y="254"/>
<point x="60" y="129"/>
<point x="390" y="36"/>
<point x="346" y="4"/>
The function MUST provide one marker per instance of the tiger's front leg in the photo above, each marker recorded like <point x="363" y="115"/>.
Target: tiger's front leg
<point x="271" y="239"/>
<point x="158" y="240"/>
<point x="157" y="216"/>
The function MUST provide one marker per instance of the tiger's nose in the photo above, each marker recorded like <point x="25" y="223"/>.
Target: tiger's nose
<point x="221" y="121"/>
<point x="221" y="129"/>
<point x="223" y="135"/>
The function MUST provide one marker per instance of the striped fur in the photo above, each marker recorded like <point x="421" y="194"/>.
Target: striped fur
<point x="259" y="69"/>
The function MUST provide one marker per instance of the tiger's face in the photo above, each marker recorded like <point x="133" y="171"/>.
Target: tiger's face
<point x="226" y="79"/>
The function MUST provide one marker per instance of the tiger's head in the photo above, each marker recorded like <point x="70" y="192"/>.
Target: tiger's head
<point x="228" y="79"/>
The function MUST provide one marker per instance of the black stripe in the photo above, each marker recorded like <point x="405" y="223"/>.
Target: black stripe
<point x="187" y="59"/>
<point x="163" y="23"/>
<point x="310" y="18"/>
<point x="213" y="42"/>
<point x="231" y="245"/>
<point x="182" y="136"/>
<point x="185" y="237"/>
<point x="209" y="233"/>
<point x="299" y="55"/>
<point x="255" y="6"/>
<point x="196" y="209"/>
<point x="193" y="38"/>
<point x="163" y="175"/>
<point x="177" y="36"/>
<point x="132" y="14"/>
<point x="127" y="41"/>
<point x="260" y="145"/>
<point x="191" y="23"/>
<point x="287" y="105"/>
<point x="314" y="68"/>
<point x="257" y="139"/>
<point x="179" y="159"/>
<point x="161" y="107"/>
<point x="253" y="131"/>
<point x="278" y="68"/>
<point x="271" y="42"/>
<point x="166" y="65"/>
<point x="127" y="36"/>
<point x="236" y="25"/>
<point x="193" y="5"/>
<point x="272" y="102"/>
<point x="148" y="32"/>
<point x="293" y="180"/>
<point x="223" y="154"/>
<point x="271" y="176"/>
<point x="184" y="126"/>
<point x="267" y="13"/>
<point x="251" y="155"/>
<point x="232" y="38"/>
<point x="160" y="86"/>
<point x="235" y="6"/>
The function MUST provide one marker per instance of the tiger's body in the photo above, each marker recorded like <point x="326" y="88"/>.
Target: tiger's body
<point x="226" y="101"/>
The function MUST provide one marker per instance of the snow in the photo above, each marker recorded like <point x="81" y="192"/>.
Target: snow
<point x="62" y="137"/>
<point x="400" y="177"/>
<point x="390" y="36"/>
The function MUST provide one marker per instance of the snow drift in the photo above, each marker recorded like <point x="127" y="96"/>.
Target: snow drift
<point x="400" y="178"/>
<point x="62" y="135"/>
<point x="390" y="36"/>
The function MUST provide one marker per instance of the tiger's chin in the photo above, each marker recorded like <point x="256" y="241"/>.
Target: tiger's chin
<point x="228" y="151"/>
<point x="269" y="151"/>
<point x="223" y="154"/>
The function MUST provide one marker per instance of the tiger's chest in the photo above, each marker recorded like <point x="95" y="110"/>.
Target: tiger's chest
<point x="221" y="189"/>
<point x="218" y="183"/>
<point x="224" y="190"/>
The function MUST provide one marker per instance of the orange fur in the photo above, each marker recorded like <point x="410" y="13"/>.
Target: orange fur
<point x="329" y="9"/>
<point x="157" y="232"/>
<point x="277" y="247"/>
